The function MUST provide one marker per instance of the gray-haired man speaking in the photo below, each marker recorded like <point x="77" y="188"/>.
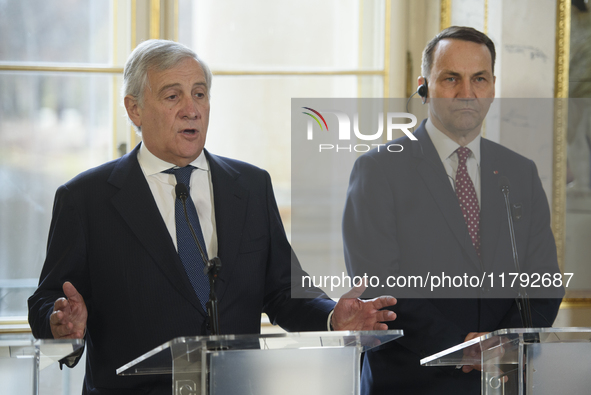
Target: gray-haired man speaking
<point x="119" y="269"/>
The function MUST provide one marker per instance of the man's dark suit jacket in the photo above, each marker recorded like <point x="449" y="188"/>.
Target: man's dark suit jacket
<point x="402" y="217"/>
<point x="108" y="238"/>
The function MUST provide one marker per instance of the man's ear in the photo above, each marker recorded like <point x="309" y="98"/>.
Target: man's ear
<point x="494" y="84"/>
<point x="133" y="110"/>
<point x="423" y="89"/>
<point x="420" y="81"/>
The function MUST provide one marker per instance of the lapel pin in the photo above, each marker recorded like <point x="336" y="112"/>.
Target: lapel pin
<point x="496" y="172"/>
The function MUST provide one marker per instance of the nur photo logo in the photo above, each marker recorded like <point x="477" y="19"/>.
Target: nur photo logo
<point x="347" y="129"/>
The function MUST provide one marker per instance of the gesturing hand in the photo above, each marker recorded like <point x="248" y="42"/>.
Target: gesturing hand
<point x="68" y="320"/>
<point x="353" y="314"/>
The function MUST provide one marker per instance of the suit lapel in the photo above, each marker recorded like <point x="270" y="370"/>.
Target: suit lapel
<point x="136" y="205"/>
<point x="435" y="177"/>
<point x="230" y="204"/>
<point x="492" y="210"/>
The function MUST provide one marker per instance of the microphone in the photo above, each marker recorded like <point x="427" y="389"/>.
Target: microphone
<point x="211" y="267"/>
<point x="504" y="184"/>
<point x="522" y="299"/>
<point x="181" y="191"/>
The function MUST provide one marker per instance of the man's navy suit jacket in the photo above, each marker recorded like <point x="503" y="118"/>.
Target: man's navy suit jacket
<point x="108" y="238"/>
<point x="402" y="216"/>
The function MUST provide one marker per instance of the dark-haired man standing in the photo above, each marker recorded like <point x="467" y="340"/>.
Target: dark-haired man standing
<point x="436" y="206"/>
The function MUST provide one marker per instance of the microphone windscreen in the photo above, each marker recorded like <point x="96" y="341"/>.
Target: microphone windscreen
<point x="181" y="191"/>
<point x="503" y="183"/>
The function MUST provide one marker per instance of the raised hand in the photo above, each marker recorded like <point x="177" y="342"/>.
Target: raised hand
<point x="68" y="320"/>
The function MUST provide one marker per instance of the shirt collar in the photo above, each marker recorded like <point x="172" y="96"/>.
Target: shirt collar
<point x="446" y="147"/>
<point x="151" y="164"/>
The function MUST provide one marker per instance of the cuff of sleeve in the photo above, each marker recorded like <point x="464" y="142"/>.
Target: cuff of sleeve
<point x="329" y="322"/>
<point x="72" y="359"/>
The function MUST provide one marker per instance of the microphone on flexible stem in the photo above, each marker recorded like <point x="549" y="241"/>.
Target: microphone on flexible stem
<point x="522" y="299"/>
<point x="211" y="268"/>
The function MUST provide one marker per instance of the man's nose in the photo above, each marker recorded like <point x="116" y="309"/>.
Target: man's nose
<point x="466" y="90"/>
<point x="189" y="108"/>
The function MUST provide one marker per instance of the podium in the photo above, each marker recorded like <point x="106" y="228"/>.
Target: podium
<point x="22" y="357"/>
<point x="540" y="361"/>
<point x="292" y="363"/>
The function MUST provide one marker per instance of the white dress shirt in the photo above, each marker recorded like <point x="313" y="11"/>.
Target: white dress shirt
<point x="446" y="148"/>
<point x="162" y="186"/>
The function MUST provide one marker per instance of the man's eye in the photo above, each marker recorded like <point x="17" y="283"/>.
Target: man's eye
<point x="172" y="97"/>
<point x="450" y="79"/>
<point x="200" y="94"/>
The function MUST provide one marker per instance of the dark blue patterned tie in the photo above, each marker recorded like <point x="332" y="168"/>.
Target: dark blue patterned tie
<point x="188" y="251"/>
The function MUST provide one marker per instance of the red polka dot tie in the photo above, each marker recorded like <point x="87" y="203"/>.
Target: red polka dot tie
<point x="467" y="197"/>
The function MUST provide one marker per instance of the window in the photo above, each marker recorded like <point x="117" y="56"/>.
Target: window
<point x="59" y="82"/>
<point x="264" y="53"/>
